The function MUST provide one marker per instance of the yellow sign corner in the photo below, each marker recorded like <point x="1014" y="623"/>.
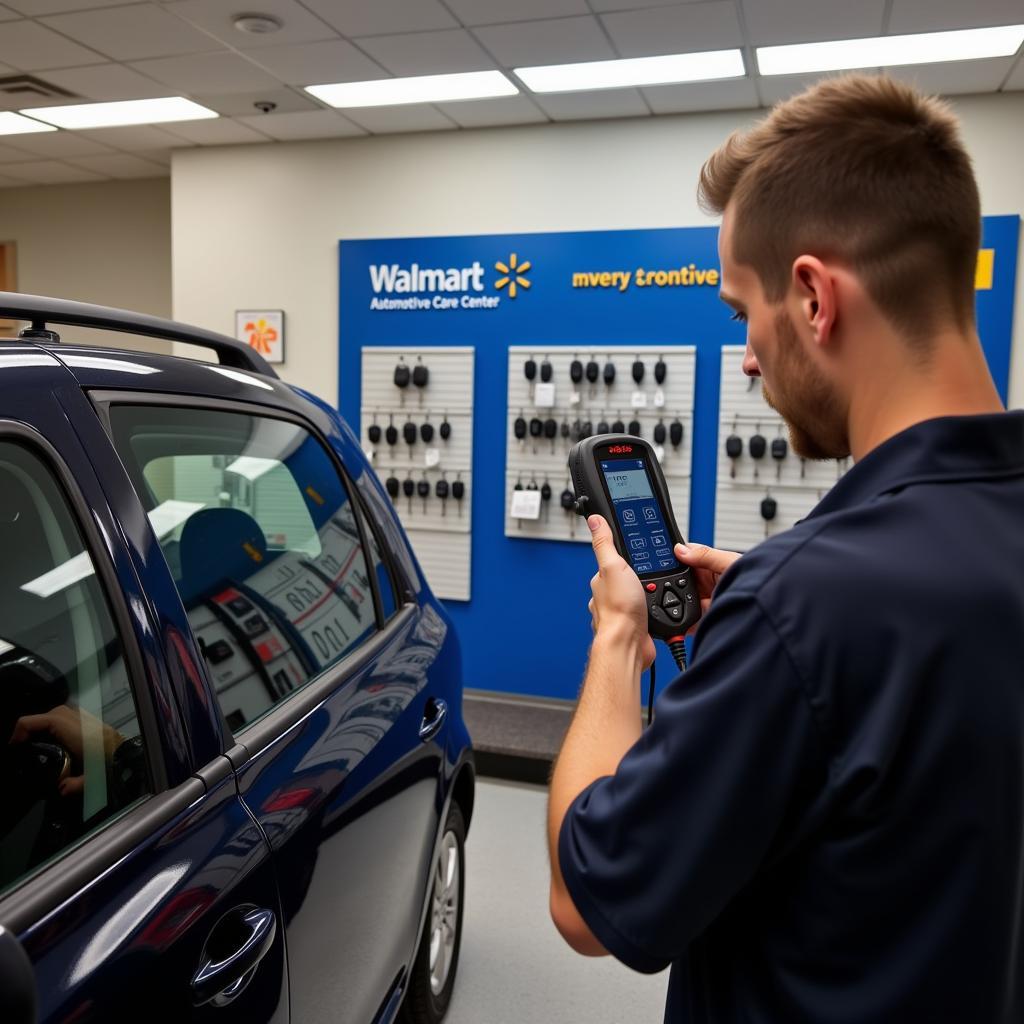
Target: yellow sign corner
<point x="983" y="271"/>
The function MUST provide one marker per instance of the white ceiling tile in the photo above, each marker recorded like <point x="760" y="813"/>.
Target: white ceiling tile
<point x="298" y="25"/>
<point x="11" y="154"/>
<point x="37" y="8"/>
<point x="317" y="63"/>
<point x="132" y="33"/>
<point x="775" y="88"/>
<point x="957" y="77"/>
<point x="738" y="94"/>
<point x="207" y="72"/>
<point x="222" y="132"/>
<point x="121" y="165"/>
<point x="775" y="22"/>
<point x="11" y="182"/>
<point x="6" y="14"/>
<point x="240" y="104"/>
<point x="428" y="53"/>
<point x="158" y="156"/>
<point x="49" y="172"/>
<point x="558" y="41"/>
<point x="601" y="103"/>
<point x="496" y="12"/>
<point x="1016" y="80"/>
<point x="498" y="111"/>
<point x="29" y="46"/>
<point x="61" y="144"/>
<point x="937" y="15"/>
<point x="379" y="17"/>
<point x="418" y="117"/>
<point x="688" y="28"/>
<point x="134" y="137"/>
<point x="313" y="124"/>
<point x="106" y="82"/>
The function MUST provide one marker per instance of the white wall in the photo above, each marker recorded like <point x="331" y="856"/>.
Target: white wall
<point x="107" y="243"/>
<point x="257" y="227"/>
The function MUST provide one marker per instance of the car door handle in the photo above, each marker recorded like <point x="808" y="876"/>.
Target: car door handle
<point x="437" y="712"/>
<point x="220" y="981"/>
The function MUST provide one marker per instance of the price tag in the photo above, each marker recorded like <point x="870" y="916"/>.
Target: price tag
<point x="639" y="400"/>
<point x="575" y="398"/>
<point x="544" y="395"/>
<point x="526" y="504"/>
<point x="659" y="399"/>
<point x="432" y="458"/>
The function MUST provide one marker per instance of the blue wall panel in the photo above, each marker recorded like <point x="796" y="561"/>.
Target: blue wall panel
<point x="526" y="628"/>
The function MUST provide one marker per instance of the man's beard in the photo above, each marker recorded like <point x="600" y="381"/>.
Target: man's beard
<point x="805" y="400"/>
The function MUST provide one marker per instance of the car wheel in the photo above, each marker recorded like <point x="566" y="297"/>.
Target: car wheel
<point x="433" y="971"/>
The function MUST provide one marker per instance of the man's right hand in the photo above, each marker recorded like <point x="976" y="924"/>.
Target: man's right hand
<point x="708" y="564"/>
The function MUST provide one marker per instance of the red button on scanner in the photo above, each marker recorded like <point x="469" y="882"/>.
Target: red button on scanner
<point x="652" y="587"/>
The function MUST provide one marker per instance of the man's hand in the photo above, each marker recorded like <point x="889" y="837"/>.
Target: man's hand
<point x="708" y="565"/>
<point x="618" y="607"/>
<point x="69" y="728"/>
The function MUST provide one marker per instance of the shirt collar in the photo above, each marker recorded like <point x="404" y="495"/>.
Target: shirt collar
<point x="947" y="448"/>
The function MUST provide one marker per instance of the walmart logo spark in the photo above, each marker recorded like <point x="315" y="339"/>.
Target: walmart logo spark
<point x="513" y="275"/>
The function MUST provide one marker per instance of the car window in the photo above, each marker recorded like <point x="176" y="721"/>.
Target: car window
<point x="70" y="751"/>
<point x="261" y="537"/>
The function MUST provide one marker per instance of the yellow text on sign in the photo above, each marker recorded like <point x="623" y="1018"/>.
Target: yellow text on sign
<point x="983" y="271"/>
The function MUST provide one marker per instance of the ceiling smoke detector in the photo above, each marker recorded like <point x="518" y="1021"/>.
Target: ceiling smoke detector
<point x="256" y="24"/>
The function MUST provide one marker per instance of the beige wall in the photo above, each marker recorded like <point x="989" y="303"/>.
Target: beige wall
<point x="108" y="243"/>
<point x="257" y="227"/>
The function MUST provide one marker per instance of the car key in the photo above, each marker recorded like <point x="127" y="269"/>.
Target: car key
<point x="393" y="486"/>
<point x="779" y="451"/>
<point x="458" y="493"/>
<point x="638" y="370"/>
<point x="409" y="489"/>
<point x="675" y="432"/>
<point x="423" y="490"/>
<point x="427" y="432"/>
<point x="441" y="490"/>
<point x="660" y="371"/>
<point x="757" y="446"/>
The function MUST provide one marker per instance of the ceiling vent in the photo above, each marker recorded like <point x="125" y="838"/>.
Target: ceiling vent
<point x="28" y="87"/>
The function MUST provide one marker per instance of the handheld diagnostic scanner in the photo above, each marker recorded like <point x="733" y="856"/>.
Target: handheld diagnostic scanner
<point x="617" y="476"/>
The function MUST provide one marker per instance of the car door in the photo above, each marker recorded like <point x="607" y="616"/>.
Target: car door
<point x="320" y="674"/>
<point x="135" y="884"/>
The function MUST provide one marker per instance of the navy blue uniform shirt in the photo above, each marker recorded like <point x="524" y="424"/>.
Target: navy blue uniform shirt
<point x="825" y="821"/>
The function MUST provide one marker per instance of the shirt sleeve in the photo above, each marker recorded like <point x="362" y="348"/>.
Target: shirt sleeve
<point x="652" y="854"/>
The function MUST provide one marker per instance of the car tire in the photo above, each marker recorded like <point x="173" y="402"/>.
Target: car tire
<point x="432" y="979"/>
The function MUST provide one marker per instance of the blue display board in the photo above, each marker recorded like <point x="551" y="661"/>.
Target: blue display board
<point x="526" y="628"/>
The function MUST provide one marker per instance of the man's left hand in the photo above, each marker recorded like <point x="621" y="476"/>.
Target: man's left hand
<point x="618" y="607"/>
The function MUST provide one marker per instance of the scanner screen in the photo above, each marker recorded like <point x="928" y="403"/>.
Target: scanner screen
<point x="639" y="514"/>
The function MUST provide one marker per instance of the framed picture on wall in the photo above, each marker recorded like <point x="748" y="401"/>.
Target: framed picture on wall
<point x="8" y="283"/>
<point x="263" y="330"/>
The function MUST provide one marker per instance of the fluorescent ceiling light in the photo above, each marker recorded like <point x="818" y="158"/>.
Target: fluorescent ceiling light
<point x="169" y="515"/>
<point x="252" y="467"/>
<point x="473" y="85"/>
<point x="890" y="51"/>
<point x="74" y="570"/>
<point x="122" y="112"/>
<point x="618" y="74"/>
<point x="15" y="124"/>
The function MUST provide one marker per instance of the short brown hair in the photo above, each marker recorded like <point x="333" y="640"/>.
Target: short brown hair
<point x="866" y="170"/>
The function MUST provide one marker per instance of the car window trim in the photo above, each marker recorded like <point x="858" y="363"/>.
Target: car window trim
<point x="104" y="399"/>
<point x="149" y="727"/>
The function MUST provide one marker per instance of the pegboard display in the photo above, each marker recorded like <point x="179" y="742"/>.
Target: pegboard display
<point x="760" y="476"/>
<point x="552" y="411"/>
<point x="417" y="428"/>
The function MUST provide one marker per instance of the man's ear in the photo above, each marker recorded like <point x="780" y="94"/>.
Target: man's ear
<point x="816" y="292"/>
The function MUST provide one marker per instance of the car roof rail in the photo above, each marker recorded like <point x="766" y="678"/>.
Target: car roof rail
<point x="40" y="311"/>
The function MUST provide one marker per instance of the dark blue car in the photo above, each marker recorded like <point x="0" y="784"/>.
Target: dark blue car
<point x="235" y="775"/>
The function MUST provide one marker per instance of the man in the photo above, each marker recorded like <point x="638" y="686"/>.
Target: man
<point x="825" y="821"/>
